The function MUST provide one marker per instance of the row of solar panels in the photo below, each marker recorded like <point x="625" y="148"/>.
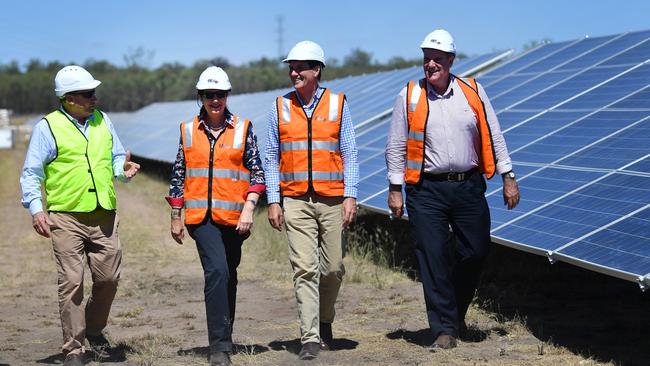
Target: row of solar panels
<point x="153" y="131"/>
<point x="576" y="120"/>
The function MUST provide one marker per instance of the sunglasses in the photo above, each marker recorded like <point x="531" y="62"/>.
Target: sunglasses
<point x="300" y="68"/>
<point x="219" y="94"/>
<point x="86" y="94"/>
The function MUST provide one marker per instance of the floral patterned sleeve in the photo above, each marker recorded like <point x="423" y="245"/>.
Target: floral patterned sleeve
<point x="177" y="181"/>
<point x="252" y="160"/>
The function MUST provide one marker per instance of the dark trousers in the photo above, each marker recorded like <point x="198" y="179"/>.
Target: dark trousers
<point x="449" y="269"/>
<point x="220" y="252"/>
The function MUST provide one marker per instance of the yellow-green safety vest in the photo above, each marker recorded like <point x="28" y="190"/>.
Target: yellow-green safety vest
<point x="81" y="174"/>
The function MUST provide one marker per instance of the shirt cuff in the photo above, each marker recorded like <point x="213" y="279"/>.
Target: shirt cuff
<point x="503" y="168"/>
<point x="35" y="206"/>
<point x="175" y="202"/>
<point x="272" y="197"/>
<point x="255" y="188"/>
<point x="350" y="192"/>
<point x="396" y="178"/>
<point x="118" y="171"/>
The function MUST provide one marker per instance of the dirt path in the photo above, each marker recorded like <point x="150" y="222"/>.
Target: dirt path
<point x="158" y="316"/>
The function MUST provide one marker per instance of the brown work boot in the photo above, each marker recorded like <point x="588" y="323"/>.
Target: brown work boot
<point x="444" y="341"/>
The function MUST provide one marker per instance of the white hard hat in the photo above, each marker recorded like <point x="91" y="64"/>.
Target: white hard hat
<point x="213" y="78"/>
<point x="441" y="40"/>
<point x="73" y="78"/>
<point x="306" y="51"/>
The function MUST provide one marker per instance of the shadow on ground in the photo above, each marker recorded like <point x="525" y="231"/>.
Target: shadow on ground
<point x="424" y="338"/>
<point x="251" y="349"/>
<point x="591" y="314"/>
<point x="294" y="345"/>
<point x="113" y="354"/>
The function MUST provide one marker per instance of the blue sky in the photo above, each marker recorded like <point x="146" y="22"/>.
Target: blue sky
<point x="175" y="31"/>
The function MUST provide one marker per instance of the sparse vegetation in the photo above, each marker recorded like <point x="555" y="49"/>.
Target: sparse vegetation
<point x="158" y="317"/>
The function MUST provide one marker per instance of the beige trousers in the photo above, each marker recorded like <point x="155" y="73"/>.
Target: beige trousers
<point x="93" y="234"/>
<point x="315" y="233"/>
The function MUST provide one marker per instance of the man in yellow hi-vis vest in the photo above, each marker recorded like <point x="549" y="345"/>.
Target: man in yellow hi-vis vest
<point x="75" y="153"/>
<point x="444" y="136"/>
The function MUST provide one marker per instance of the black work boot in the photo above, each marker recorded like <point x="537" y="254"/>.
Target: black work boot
<point x="99" y="345"/>
<point x="220" y="358"/>
<point x="326" y="337"/>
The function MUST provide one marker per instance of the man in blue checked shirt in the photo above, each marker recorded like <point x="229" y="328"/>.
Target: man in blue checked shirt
<point x="312" y="177"/>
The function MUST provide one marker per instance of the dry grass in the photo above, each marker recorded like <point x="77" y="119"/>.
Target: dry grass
<point x="158" y="317"/>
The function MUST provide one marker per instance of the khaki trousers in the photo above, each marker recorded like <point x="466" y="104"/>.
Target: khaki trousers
<point x="314" y="229"/>
<point x="95" y="235"/>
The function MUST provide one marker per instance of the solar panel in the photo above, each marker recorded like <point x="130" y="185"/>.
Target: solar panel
<point x="153" y="131"/>
<point x="576" y="118"/>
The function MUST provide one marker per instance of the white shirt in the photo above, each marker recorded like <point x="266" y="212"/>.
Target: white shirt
<point x="452" y="140"/>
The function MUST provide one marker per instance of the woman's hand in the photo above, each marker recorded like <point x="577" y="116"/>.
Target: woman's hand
<point x="177" y="229"/>
<point x="246" y="218"/>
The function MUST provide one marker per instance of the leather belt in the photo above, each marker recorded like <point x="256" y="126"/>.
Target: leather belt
<point x="450" y="176"/>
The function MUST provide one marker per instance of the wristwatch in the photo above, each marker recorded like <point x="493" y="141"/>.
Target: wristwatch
<point x="509" y="174"/>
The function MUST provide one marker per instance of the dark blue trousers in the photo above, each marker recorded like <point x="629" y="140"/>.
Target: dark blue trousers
<point x="220" y="252"/>
<point x="449" y="269"/>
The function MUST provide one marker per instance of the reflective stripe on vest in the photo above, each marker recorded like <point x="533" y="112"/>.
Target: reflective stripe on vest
<point x="81" y="175"/>
<point x="417" y="116"/>
<point x="217" y="173"/>
<point x="310" y="144"/>
<point x="315" y="145"/>
<point x="296" y="176"/>
<point x="216" y="182"/>
<point x="224" y="205"/>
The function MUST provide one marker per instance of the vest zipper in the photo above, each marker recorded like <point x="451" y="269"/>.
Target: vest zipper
<point x="209" y="212"/>
<point x="90" y="170"/>
<point x="310" y="186"/>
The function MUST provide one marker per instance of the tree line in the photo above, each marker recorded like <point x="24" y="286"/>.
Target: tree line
<point x="30" y="89"/>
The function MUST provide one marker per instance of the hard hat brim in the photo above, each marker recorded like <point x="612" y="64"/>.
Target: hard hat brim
<point x="88" y="86"/>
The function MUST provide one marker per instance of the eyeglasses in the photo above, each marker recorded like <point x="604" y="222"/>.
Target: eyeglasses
<point x="300" y="68"/>
<point x="219" y="94"/>
<point x="86" y="94"/>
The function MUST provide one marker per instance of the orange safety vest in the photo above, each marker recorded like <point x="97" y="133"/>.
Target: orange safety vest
<point x="309" y="147"/>
<point x="417" y="112"/>
<point x="215" y="178"/>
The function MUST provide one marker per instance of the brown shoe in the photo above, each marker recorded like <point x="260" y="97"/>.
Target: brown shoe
<point x="309" y="351"/>
<point x="444" y="341"/>
<point x="74" y="359"/>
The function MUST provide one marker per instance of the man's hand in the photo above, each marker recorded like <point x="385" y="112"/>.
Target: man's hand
<point x="41" y="223"/>
<point x="396" y="201"/>
<point x="349" y="208"/>
<point x="510" y="193"/>
<point x="276" y="217"/>
<point x="177" y="228"/>
<point x="130" y="168"/>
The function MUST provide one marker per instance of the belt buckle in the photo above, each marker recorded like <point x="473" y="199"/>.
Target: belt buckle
<point x="455" y="177"/>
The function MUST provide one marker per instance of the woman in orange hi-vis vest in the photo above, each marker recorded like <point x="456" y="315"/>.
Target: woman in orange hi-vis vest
<point x="217" y="179"/>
